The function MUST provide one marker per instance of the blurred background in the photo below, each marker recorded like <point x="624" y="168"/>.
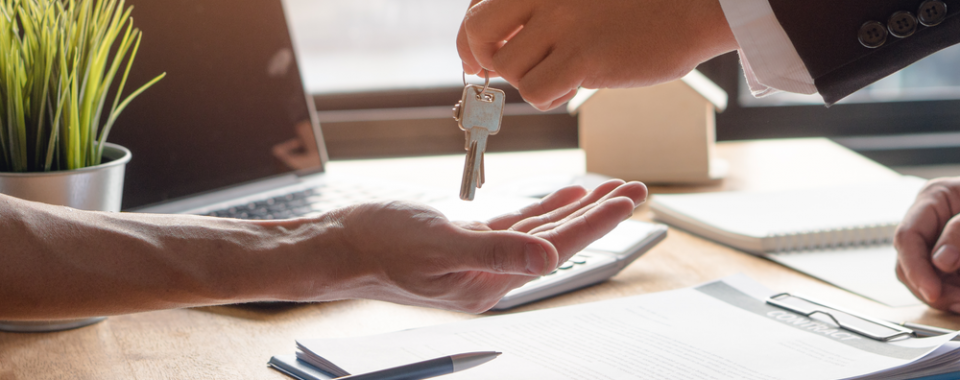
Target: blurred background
<point x="385" y="73"/>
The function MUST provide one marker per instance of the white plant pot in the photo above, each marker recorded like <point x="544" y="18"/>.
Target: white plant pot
<point x="97" y="188"/>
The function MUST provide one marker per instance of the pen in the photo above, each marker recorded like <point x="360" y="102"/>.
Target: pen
<point x="429" y="368"/>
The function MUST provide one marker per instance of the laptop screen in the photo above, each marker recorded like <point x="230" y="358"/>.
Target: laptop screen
<point x="232" y="108"/>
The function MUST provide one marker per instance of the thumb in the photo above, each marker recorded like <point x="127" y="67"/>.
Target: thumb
<point x="946" y="256"/>
<point x="470" y="64"/>
<point x="507" y="252"/>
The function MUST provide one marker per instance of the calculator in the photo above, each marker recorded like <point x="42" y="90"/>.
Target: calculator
<point x="597" y="263"/>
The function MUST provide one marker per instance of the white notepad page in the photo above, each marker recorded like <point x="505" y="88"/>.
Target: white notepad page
<point x="867" y="271"/>
<point x="751" y="221"/>
<point x="764" y="214"/>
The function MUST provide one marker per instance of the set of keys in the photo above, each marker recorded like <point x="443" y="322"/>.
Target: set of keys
<point x="479" y="114"/>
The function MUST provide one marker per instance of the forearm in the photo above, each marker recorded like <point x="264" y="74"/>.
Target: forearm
<point x="60" y="263"/>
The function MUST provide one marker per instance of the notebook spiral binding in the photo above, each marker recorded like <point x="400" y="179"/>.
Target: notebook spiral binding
<point x="849" y="237"/>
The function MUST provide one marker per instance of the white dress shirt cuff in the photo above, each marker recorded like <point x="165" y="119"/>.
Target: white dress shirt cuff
<point x="770" y="62"/>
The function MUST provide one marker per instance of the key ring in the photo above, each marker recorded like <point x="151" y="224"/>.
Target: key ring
<point x="486" y="82"/>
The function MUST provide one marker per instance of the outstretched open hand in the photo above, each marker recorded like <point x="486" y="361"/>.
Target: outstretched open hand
<point x="410" y="253"/>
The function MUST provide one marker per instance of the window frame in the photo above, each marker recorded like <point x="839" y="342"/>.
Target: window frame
<point x="844" y="123"/>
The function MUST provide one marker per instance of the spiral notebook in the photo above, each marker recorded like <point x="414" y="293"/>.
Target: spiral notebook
<point x="842" y="234"/>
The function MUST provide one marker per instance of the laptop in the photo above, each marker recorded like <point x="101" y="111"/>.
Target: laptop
<point x="231" y="132"/>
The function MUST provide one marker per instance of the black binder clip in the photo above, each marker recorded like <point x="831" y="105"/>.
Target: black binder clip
<point x="868" y="327"/>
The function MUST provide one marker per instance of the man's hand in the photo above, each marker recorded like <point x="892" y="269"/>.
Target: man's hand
<point x="928" y="245"/>
<point x="410" y="253"/>
<point x="63" y="263"/>
<point x="549" y="48"/>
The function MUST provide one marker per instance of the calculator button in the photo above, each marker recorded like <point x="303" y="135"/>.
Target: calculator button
<point x="578" y="260"/>
<point x="566" y="266"/>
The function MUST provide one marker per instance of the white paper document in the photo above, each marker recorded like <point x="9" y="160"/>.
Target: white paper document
<point x="868" y="271"/>
<point x="720" y="330"/>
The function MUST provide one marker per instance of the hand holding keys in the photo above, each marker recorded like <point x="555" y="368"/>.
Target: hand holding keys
<point x="479" y="114"/>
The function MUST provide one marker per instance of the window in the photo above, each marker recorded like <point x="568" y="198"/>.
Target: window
<point x="933" y="78"/>
<point x="386" y="74"/>
<point x="910" y="118"/>
<point x="373" y="45"/>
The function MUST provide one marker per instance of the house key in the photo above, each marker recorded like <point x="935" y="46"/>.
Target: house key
<point x="479" y="113"/>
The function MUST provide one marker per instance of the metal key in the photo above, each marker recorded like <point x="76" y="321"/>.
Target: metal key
<point x="479" y="114"/>
<point x="466" y="147"/>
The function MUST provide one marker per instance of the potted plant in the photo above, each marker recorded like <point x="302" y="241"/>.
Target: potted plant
<point x="58" y="101"/>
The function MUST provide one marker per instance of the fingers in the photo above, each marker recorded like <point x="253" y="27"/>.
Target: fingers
<point x="635" y="191"/>
<point x="561" y="101"/>
<point x="575" y="235"/>
<point x="472" y="225"/>
<point x="913" y="257"/>
<point x="549" y="203"/>
<point x="524" y="51"/>
<point x="545" y="78"/>
<point x="470" y="64"/>
<point x="552" y="79"/>
<point x="504" y="252"/>
<point x="946" y="257"/>
<point x="949" y="299"/>
<point x="536" y="220"/>
<point x="489" y="23"/>
<point x="917" y="237"/>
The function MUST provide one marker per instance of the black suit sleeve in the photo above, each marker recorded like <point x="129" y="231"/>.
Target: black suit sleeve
<point x="825" y="34"/>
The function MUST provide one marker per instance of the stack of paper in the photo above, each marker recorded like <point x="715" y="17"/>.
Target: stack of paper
<point x="723" y="329"/>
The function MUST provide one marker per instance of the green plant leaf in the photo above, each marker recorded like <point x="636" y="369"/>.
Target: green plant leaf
<point x="58" y="63"/>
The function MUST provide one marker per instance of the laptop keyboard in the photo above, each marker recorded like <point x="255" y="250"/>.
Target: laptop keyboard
<point x="320" y="199"/>
<point x="287" y="206"/>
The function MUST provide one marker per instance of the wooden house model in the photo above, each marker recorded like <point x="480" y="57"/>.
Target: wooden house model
<point x="659" y="134"/>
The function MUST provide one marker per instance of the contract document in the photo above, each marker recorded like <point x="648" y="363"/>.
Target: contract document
<point x="720" y="330"/>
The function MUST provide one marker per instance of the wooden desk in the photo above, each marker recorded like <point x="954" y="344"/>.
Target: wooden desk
<point x="235" y="342"/>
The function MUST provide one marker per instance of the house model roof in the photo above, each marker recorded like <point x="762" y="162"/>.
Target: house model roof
<point x="697" y="81"/>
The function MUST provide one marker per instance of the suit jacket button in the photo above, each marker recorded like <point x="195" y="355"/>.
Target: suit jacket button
<point x="932" y="12"/>
<point x="902" y="24"/>
<point x="872" y="34"/>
